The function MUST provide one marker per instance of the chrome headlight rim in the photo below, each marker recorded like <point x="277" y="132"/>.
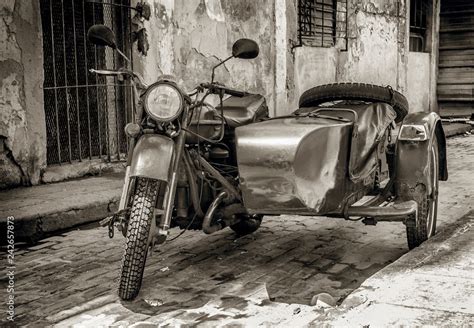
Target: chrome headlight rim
<point x="154" y="86"/>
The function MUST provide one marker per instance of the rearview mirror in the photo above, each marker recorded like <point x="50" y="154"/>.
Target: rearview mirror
<point x="245" y="49"/>
<point x="101" y="35"/>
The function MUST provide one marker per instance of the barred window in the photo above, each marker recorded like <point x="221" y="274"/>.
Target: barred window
<point x="419" y="10"/>
<point x="85" y="113"/>
<point x="322" y="23"/>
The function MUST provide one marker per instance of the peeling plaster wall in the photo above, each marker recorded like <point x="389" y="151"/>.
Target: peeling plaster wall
<point x="22" y="124"/>
<point x="314" y="66"/>
<point x="281" y="53"/>
<point x="377" y="50"/>
<point x="418" y="81"/>
<point x="377" y="44"/>
<point x="292" y="35"/>
<point x="187" y="38"/>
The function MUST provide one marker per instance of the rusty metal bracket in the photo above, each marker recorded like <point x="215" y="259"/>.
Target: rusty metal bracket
<point x="116" y="219"/>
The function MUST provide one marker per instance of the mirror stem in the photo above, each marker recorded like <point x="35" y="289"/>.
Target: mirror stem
<point x="123" y="55"/>
<point x="114" y="4"/>
<point x="221" y="63"/>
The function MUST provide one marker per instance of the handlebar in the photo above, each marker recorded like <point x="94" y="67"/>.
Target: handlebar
<point x="212" y="87"/>
<point x="217" y="89"/>
<point x="123" y="72"/>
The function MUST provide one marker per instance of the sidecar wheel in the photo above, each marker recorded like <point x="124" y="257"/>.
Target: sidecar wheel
<point x="136" y="247"/>
<point x="425" y="224"/>
<point x="247" y="225"/>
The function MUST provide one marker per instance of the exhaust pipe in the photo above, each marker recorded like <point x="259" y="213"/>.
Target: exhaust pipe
<point x="206" y="224"/>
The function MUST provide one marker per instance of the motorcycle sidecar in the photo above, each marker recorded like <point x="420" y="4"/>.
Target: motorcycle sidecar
<point x="313" y="165"/>
<point x="345" y="161"/>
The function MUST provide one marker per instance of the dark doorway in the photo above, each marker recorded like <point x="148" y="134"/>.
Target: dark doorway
<point x="456" y="59"/>
<point x="85" y="113"/>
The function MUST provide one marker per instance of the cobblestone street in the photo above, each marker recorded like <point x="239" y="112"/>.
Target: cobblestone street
<point x="67" y="276"/>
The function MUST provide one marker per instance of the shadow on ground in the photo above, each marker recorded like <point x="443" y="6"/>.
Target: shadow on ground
<point x="294" y="258"/>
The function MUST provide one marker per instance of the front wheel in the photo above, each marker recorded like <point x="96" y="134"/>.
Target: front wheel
<point x="425" y="225"/>
<point x="136" y="247"/>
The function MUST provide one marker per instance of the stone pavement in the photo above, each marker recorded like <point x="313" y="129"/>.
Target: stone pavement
<point x="266" y="278"/>
<point x="431" y="285"/>
<point x="47" y="208"/>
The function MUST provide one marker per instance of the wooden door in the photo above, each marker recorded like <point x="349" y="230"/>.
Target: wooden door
<point x="456" y="58"/>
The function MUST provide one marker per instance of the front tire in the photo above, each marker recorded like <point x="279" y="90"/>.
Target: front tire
<point x="136" y="247"/>
<point x="425" y="224"/>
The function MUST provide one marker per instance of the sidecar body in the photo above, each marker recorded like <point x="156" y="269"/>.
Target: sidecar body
<point x="323" y="163"/>
<point x="311" y="164"/>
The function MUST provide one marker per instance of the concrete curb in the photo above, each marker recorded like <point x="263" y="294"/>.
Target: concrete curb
<point x="363" y="308"/>
<point x="454" y="129"/>
<point x="41" y="210"/>
<point x="34" y="228"/>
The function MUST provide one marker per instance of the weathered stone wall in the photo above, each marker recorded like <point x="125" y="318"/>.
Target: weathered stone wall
<point x="187" y="38"/>
<point x="418" y="81"/>
<point x="377" y="52"/>
<point x="22" y="124"/>
<point x="376" y="49"/>
<point x="377" y="44"/>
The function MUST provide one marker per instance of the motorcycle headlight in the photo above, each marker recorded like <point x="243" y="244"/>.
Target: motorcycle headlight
<point x="163" y="102"/>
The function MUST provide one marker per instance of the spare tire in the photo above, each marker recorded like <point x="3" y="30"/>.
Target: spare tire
<point x="355" y="91"/>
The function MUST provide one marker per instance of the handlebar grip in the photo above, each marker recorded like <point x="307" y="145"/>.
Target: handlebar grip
<point x="235" y="93"/>
<point x="217" y="88"/>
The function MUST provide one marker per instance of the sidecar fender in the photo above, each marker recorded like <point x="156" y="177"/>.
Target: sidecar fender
<point x="412" y="152"/>
<point x="152" y="157"/>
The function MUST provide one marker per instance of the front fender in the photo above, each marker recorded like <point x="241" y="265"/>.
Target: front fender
<point x="412" y="157"/>
<point x="152" y="156"/>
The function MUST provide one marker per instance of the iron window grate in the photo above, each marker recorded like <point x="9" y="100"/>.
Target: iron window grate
<point x="322" y="23"/>
<point x="85" y="113"/>
<point x="418" y="24"/>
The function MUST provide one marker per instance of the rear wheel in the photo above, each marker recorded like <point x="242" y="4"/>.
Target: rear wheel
<point x="425" y="224"/>
<point x="136" y="247"/>
<point x="248" y="224"/>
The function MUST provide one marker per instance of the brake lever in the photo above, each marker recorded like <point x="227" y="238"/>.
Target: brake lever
<point x="105" y="72"/>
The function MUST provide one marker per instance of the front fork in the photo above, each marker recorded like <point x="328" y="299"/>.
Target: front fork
<point x="158" y="234"/>
<point x="171" y="190"/>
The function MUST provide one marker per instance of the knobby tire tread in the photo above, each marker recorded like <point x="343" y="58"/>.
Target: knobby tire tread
<point x="136" y="246"/>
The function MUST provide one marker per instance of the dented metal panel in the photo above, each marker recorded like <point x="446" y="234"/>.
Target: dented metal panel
<point x="293" y="165"/>
<point x="311" y="165"/>
<point x="413" y="175"/>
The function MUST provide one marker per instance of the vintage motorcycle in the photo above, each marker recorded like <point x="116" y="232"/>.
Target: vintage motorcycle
<point x="341" y="154"/>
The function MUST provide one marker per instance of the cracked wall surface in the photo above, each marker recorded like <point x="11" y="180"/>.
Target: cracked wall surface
<point x="377" y="52"/>
<point x="187" y="38"/>
<point x="22" y="125"/>
<point x="377" y="44"/>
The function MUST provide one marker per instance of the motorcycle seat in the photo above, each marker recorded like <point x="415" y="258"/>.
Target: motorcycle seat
<point x="244" y="110"/>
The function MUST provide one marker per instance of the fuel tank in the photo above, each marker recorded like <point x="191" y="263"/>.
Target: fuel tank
<point x="294" y="165"/>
